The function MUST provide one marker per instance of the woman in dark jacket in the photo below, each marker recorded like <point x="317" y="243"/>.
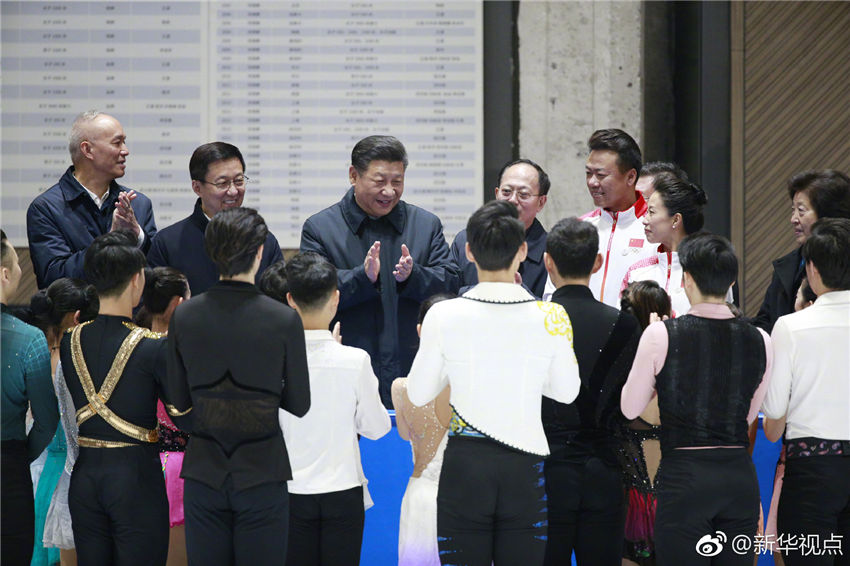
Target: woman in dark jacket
<point x="814" y="195"/>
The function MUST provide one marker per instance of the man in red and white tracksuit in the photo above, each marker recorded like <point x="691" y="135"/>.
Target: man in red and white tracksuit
<point x="612" y="171"/>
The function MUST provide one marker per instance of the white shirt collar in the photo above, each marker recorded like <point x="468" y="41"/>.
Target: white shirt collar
<point x="833" y="298"/>
<point x="318" y="335"/>
<point x="97" y="200"/>
<point x="499" y="293"/>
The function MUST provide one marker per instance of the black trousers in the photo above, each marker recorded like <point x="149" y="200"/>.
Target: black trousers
<point x="17" y="516"/>
<point x="587" y="511"/>
<point x="701" y="492"/>
<point x="326" y="529"/>
<point x="815" y="502"/>
<point x="119" y="510"/>
<point x="491" y="505"/>
<point x="227" y="526"/>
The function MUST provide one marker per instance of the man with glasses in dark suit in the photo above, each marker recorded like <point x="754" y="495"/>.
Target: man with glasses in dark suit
<point x="524" y="184"/>
<point x="218" y="178"/>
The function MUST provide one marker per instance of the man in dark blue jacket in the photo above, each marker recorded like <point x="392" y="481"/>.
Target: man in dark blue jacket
<point x="524" y="184"/>
<point x="218" y="178"/>
<point x="390" y="256"/>
<point x="86" y="202"/>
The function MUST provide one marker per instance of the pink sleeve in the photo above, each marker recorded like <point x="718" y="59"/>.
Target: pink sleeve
<point x="625" y="282"/>
<point x="761" y="390"/>
<point x="649" y="360"/>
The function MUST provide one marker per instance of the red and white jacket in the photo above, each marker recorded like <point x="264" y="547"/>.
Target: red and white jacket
<point x="664" y="268"/>
<point x="622" y="243"/>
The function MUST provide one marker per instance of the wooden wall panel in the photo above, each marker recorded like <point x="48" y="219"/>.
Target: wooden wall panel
<point x="794" y="93"/>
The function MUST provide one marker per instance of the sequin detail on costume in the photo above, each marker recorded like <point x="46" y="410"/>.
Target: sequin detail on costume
<point x="426" y="431"/>
<point x="171" y="439"/>
<point x="148" y="333"/>
<point x="808" y="446"/>
<point x="557" y="322"/>
<point x="639" y="540"/>
<point x="98" y="398"/>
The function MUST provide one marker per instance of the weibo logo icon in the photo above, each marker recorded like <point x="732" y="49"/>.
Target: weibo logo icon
<point x="710" y="545"/>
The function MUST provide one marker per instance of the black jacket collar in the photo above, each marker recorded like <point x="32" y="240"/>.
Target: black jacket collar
<point x="355" y="217"/>
<point x="789" y="271"/>
<point x="231" y="285"/>
<point x="535" y="236"/>
<point x="573" y="292"/>
<point x="198" y="216"/>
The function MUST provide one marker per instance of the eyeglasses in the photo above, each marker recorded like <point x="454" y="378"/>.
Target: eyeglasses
<point x="508" y="192"/>
<point x="238" y="182"/>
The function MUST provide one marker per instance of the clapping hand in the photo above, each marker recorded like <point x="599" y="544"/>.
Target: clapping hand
<point x="372" y="263"/>
<point x="123" y="217"/>
<point x="404" y="266"/>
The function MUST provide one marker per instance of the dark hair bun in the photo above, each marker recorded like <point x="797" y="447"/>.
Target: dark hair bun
<point x="701" y="197"/>
<point x="41" y="304"/>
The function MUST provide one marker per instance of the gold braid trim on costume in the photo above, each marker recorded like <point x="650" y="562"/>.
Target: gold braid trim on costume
<point x="175" y="412"/>
<point x="148" y="333"/>
<point x="112" y="377"/>
<point x="98" y="399"/>
<point x="86" y="442"/>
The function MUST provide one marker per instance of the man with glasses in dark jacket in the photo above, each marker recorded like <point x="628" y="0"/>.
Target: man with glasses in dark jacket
<point x="218" y="178"/>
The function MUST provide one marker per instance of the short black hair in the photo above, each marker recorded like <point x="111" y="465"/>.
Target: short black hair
<point x="828" y="248"/>
<point x="5" y="250"/>
<point x="312" y="279"/>
<point x="232" y="239"/>
<point x="273" y="281"/>
<point x="209" y="153"/>
<point x="495" y="234"/>
<point x="682" y="197"/>
<point x="161" y="285"/>
<point x="573" y="245"/>
<point x="377" y="148"/>
<point x="711" y="261"/>
<point x="828" y="191"/>
<point x="430" y="302"/>
<point x="543" y="182"/>
<point x="65" y="295"/>
<point x="112" y="260"/>
<point x="621" y="143"/>
<point x="641" y="298"/>
<point x="653" y="168"/>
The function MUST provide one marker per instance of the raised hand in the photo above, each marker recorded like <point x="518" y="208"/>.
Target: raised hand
<point x="123" y="217"/>
<point x="372" y="263"/>
<point x="404" y="266"/>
